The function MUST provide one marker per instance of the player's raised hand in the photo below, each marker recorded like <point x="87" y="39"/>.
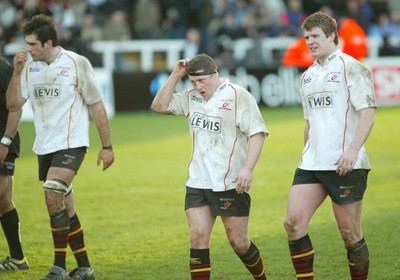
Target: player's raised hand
<point x="19" y="61"/>
<point x="180" y="67"/>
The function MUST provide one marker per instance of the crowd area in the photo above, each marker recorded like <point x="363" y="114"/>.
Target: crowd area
<point x="206" y="24"/>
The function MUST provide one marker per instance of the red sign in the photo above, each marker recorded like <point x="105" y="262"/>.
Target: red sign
<point x="386" y="75"/>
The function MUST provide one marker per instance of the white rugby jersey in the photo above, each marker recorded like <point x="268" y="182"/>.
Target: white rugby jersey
<point x="59" y="94"/>
<point x="332" y="94"/>
<point x="220" y="129"/>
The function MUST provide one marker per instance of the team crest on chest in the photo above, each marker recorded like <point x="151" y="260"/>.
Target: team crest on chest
<point x="334" y="77"/>
<point x="63" y="71"/>
<point x="226" y="104"/>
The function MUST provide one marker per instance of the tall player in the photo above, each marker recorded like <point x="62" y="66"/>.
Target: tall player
<point x="223" y="119"/>
<point x="9" y="151"/>
<point x="339" y="109"/>
<point x="60" y="85"/>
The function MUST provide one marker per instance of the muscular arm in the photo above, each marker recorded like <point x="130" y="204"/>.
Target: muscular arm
<point x="367" y="120"/>
<point x="15" y="101"/>
<point x="13" y="123"/>
<point x="349" y="157"/>
<point x="165" y="94"/>
<point x="101" y="121"/>
<point x="245" y="175"/>
<point x="256" y="143"/>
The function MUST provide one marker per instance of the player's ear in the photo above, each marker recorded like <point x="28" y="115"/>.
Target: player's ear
<point x="48" y="44"/>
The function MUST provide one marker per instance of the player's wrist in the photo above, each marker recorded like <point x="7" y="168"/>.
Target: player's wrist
<point x="110" y="148"/>
<point x="6" y="140"/>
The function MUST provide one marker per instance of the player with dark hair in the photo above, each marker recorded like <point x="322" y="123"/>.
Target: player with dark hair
<point x="9" y="151"/>
<point x="228" y="133"/>
<point x="339" y="109"/>
<point x="60" y="85"/>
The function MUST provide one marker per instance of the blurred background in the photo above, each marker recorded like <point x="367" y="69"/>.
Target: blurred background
<point x="134" y="44"/>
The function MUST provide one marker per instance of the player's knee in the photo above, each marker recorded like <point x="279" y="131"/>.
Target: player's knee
<point x="289" y="224"/>
<point x="349" y="233"/>
<point x="239" y="244"/>
<point x="57" y="185"/>
<point x="199" y="241"/>
<point x="240" y="247"/>
<point x="6" y="202"/>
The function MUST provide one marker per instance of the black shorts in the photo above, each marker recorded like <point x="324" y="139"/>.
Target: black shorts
<point x="227" y="203"/>
<point x="8" y="165"/>
<point x="342" y="189"/>
<point x="70" y="159"/>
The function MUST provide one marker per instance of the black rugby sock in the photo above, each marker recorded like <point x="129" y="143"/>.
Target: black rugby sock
<point x="200" y="266"/>
<point x="10" y="224"/>
<point x="253" y="262"/>
<point x="302" y="253"/>
<point x="59" y="229"/>
<point x="77" y="243"/>
<point x="358" y="259"/>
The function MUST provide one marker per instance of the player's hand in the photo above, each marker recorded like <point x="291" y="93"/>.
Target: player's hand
<point x="19" y="61"/>
<point x="180" y="67"/>
<point x="243" y="180"/>
<point x="345" y="163"/>
<point x="107" y="157"/>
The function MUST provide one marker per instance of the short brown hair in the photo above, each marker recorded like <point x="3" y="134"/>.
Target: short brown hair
<point x="43" y="27"/>
<point x="326" y="23"/>
<point x="201" y="64"/>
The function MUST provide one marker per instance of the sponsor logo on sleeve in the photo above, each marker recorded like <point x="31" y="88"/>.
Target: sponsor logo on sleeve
<point x="307" y="80"/>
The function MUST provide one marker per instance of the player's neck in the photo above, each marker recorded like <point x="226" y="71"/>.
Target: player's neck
<point x="53" y="54"/>
<point x="321" y="60"/>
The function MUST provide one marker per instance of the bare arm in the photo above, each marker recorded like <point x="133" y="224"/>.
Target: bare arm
<point x="11" y="130"/>
<point x="165" y="94"/>
<point x="346" y="162"/>
<point x="101" y="120"/>
<point x="15" y="101"/>
<point x="13" y="123"/>
<point x="245" y="175"/>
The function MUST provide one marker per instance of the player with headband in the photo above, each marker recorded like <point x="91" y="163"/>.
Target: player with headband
<point x="228" y="133"/>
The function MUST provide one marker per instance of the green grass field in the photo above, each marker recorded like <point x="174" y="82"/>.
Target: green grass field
<point x="135" y="226"/>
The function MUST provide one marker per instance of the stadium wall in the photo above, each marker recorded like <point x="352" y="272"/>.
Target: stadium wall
<point x="274" y="86"/>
